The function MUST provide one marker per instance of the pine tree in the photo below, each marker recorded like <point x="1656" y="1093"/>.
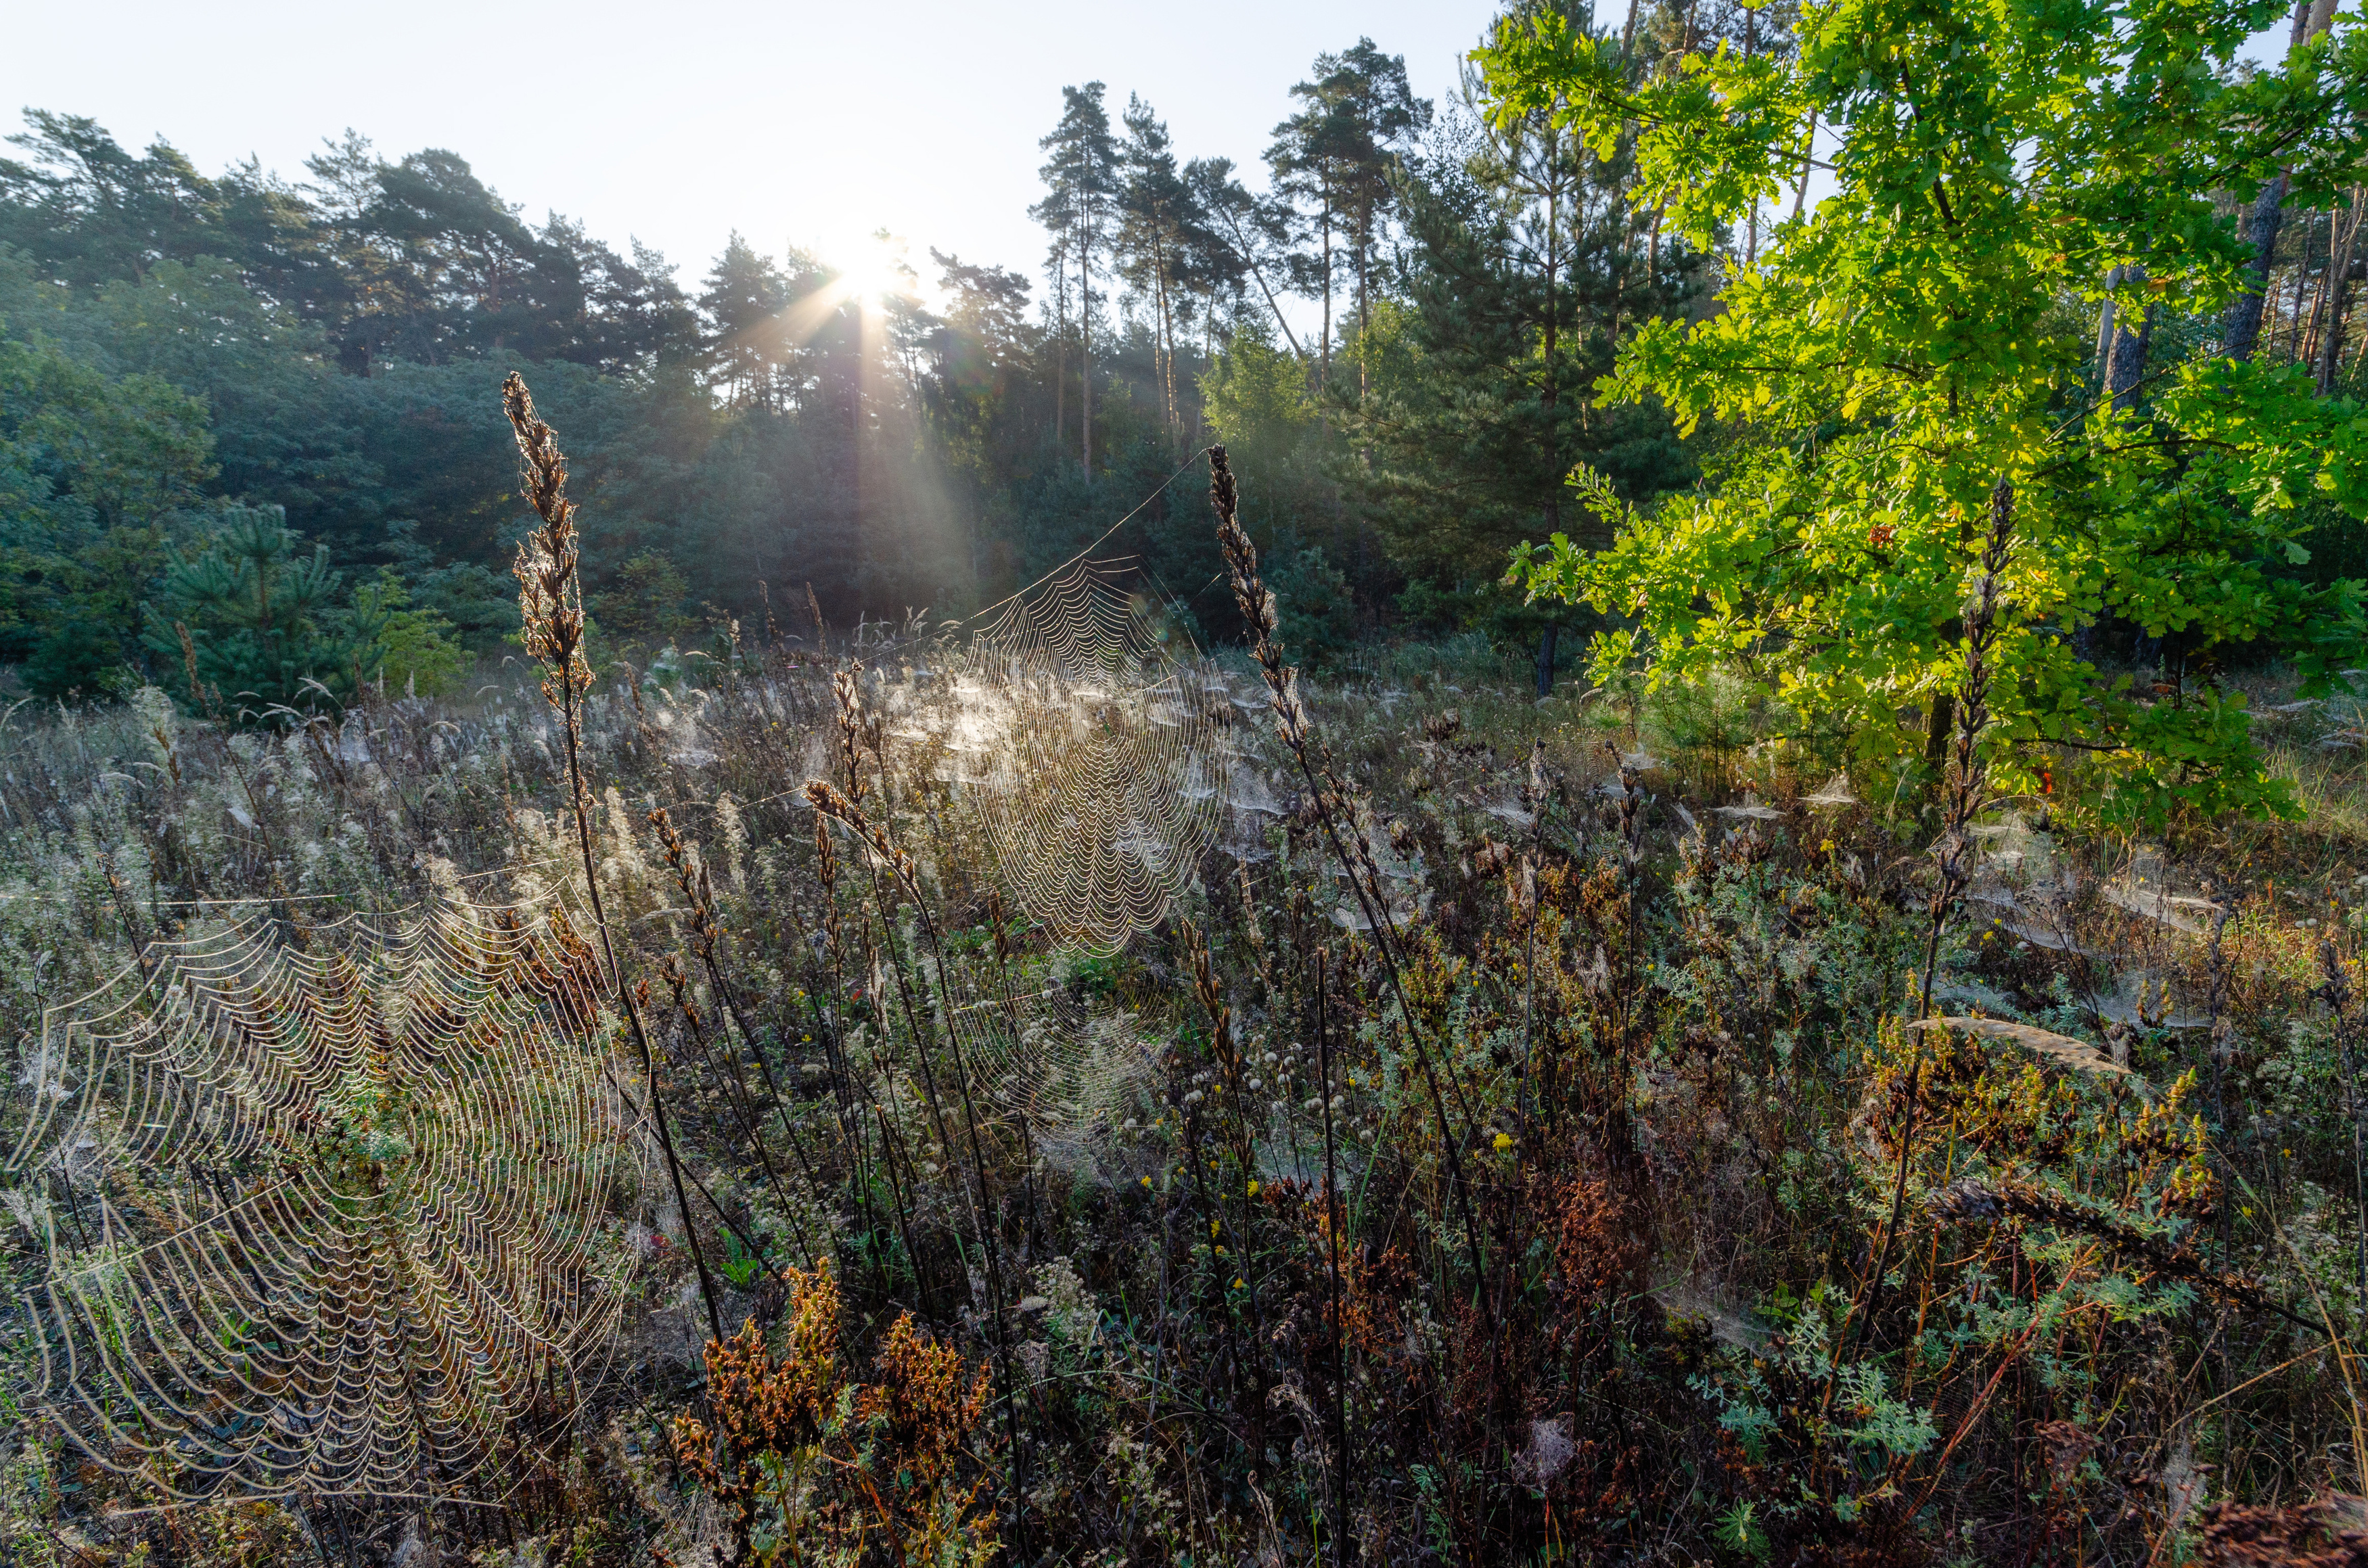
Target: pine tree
<point x="1155" y="209"/>
<point x="1082" y="186"/>
<point x="743" y="302"/>
<point x="89" y="210"/>
<point x="1522" y="277"/>
<point x="375" y="292"/>
<point x="1335" y="156"/>
<point x="264" y="634"/>
<point x="631" y="317"/>
<point x="490" y="283"/>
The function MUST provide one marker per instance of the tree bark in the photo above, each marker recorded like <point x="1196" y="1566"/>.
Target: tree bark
<point x="1060" y="360"/>
<point x="2124" y="351"/>
<point x="2301" y="283"/>
<point x="2330" y="343"/>
<point x="2241" y="333"/>
<point x="1324" y="348"/>
<point x="2105" y="328"/>
<point x="1943" y="717"/>
<point x="1808" y="156"/>
<point x="1166" y="341"/>
<point x="1364" y="246"/>
<point x="1086" y="349"/>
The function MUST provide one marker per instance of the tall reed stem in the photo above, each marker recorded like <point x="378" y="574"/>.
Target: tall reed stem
<point x="1968" y="794"/>
<point x="1257" y="607"/>
<point x="550" y="600"/>
<point x="1332" y="1246"/>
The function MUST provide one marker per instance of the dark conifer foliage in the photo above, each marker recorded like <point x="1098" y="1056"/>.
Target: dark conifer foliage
<point x="1400" y="336"/>
<point x="1522" y="274"/>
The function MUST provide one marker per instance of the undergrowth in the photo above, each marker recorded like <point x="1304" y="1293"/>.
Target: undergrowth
<point x="1533" y="1223"/>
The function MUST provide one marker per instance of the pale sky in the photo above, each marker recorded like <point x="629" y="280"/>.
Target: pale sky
<point x="793" y="123"/>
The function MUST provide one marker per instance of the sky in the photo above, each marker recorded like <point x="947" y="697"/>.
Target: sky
<point x="793" y="123"/>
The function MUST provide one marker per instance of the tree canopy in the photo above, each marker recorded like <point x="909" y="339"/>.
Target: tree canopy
<point x="1585" y="305"/>
<point x="1910" y="371"/>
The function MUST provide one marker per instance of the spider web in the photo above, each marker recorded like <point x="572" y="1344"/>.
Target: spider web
<point x="1081" y="723"/>
<point x="1050" y="1047"/>
<point x="330" y="1211"/>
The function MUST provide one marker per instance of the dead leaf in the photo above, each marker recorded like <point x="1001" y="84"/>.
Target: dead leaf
<point x="2060" y="1048"/>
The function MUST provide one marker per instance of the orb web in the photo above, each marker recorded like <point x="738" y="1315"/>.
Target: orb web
<point x="1050" y="1046"/>
<point x="331" y="1211"/>
<point x="1082" y="725"/>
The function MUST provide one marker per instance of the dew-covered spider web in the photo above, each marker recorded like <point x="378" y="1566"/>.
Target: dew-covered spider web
<point x="1091" y="735"/>
<point x="1051" y="1045"/>
<point x="336" y="1211"/>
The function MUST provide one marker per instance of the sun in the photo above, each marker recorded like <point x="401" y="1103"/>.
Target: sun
<point x="869" y="272"/>
<point x="872" y="271"/>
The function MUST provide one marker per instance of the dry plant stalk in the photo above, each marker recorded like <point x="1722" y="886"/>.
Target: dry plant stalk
<point x="2336" y="992"/>
<point x="1968" y="795"/>
<point x="707" y="932"/>
<point x="828" y="802"/>
<point x="1340" y="1545"/>
<point x="1258" y="607"/>
<point x="550" y="600"/>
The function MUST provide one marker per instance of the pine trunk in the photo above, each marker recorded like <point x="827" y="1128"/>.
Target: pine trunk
<point x="2330" y="345"/>
<point x="1324" y="349"/>
<point x="2242" y="333"/>
<point x="1086" y="353"/>
<point x="1167" y="343"/>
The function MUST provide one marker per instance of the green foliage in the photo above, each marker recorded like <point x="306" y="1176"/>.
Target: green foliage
<point x="92" y="468"/>
<point x="645" y="606"/>
<point x="262" y="623"/>
<point x="1899" y="362"/>
<point x="122" y="448"/>
<point x="420" y="651"/>
<point x="1257" y="402"/>
<point x="1319" y="613"/>
<point x="1886" y="1428"/>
